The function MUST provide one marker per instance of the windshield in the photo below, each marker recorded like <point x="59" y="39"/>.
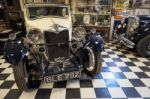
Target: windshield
<point x="42" y="12"/>
<point x="133" y="23"/>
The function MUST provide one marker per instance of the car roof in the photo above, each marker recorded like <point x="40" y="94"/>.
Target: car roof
<point x="144" y="17"/>
<point x="140" y="17"/>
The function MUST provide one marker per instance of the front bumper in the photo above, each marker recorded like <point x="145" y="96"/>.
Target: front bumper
<point x="123" y="40"/>
<point x="61" y="72"/>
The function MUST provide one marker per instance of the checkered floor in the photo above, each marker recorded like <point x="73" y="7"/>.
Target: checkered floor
<point x="124" y="75"/>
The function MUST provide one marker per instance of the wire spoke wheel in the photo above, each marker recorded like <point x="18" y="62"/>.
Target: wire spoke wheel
<point x="148" y="47"/>
<point x="143" y="46"/>
<point x="21" y="76"/>
<point x="92" y="61"/>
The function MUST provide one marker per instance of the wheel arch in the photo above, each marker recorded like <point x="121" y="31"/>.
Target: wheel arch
<point x="140" y="36"/>
<point x="141" y="46"/>
<point x="14" y="51"/>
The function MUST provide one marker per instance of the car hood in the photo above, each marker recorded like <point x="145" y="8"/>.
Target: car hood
<point x="46" y="23"/>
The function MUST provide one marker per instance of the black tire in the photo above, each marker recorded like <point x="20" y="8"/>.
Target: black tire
<point x="97" y="66"/>
<point x="142" y="46"/>
<point x="20" y="76"/>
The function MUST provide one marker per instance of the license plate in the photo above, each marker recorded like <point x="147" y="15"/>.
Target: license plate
<point x="61" y="77"/>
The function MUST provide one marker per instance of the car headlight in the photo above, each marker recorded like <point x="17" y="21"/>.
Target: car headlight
<point x="34" y="35"/>
<point x="12" y="36"/>
<point x="79" y="33"/>
<point x="119" y="26"/>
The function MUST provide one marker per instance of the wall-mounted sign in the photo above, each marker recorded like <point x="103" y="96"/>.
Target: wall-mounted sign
<point x="142" y="12"/>
<point x="120" y="4"/>
<point x="121" y="13"/>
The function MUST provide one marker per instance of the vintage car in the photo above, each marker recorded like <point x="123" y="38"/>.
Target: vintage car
<point x="134" y="32"/>
<point x="51" y="50"/>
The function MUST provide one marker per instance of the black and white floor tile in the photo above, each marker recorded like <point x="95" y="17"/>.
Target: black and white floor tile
<point x="124" y="75"/>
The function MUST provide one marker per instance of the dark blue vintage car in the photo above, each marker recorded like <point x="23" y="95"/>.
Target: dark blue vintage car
<point x="134" y="32"/>
<point x="51" y="50"/>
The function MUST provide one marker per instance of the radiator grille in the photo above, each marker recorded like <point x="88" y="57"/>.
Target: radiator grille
<point x="57" y="51"/>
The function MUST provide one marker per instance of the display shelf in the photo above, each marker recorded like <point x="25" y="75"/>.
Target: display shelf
<point x="93" y="5"/>
<point x="92" y="14"/>
<point x="45" y="1"/>
<point x="94" y="26"/>
<point x="102" y="13"/>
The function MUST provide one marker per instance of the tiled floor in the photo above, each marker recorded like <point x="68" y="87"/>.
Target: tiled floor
<point x="124" y="75"/>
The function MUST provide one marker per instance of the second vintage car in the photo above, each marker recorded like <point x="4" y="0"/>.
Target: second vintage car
<point x="134" y="32"/>
<point x="51" y="50"/>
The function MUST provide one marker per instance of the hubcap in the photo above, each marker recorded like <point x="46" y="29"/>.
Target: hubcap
<point x="91" y="61"/>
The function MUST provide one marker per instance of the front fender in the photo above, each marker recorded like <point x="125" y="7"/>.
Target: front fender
<point x="95" y="41"/>
<point x="14" y="51"/>
<point x="140" y="34"/>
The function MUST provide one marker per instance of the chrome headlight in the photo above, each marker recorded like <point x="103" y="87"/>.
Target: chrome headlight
<point x="79" y="33"/>
<point x="12" y="36"/>
<point x="34" y="35"/>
